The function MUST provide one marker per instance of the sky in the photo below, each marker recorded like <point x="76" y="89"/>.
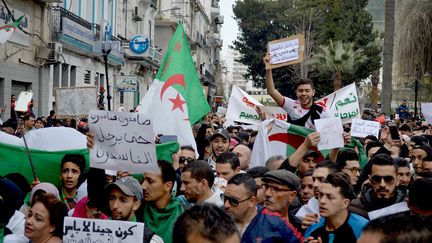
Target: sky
<point x="229" y="28"/>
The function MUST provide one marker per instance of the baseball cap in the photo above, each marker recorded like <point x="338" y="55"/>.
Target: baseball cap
<point x="283" y="177"/>
<point x="312" y="153"/>
<point x="129" y="186"/>
<point x="220" y="132"/>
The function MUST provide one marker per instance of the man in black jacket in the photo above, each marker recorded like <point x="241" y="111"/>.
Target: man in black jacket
<point x="382" y="191"/>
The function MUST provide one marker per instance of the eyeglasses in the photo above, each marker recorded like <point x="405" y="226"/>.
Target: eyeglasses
<point x="232" y="200"/>
<point x="274" y="189"/>
<point x="183" y="159"/>
<point x="378" y="179"/>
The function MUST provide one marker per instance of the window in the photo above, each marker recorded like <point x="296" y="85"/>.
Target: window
<point x="121" y="97"/>
<point x="87" y="76"/>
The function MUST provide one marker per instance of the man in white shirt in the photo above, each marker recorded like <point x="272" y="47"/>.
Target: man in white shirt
<point x="302" y="111"/>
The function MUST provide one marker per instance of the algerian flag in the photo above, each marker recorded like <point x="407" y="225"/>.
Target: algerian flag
<point x="276" y="137"/>
<point x="176" y="99"/>
<point x="7" y="30"/>
<point x="47" y="147"/>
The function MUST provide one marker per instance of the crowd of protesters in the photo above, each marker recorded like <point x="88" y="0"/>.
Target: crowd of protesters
<point x="372" y="190"/>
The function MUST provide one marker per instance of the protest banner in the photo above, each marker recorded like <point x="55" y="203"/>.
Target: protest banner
<point x="426" y="109"/>
<point x="331" y="133"/>
<point x="122" y="142"/>
<point x="23" y="100"/>
<point x="362" y="128"/>
<point x="76" y="101"/>
<point x="342" y="103"/>
<point x="241" y="107"/>
<point x="284" y="52"/>
<point x="275" y="112"/>
<point x="77" y="230"/>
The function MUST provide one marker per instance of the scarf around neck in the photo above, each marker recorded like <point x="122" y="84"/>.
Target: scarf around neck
<point x="161" y="221"/>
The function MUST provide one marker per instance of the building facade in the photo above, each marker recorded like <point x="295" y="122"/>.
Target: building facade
<point x="66" y="43"/>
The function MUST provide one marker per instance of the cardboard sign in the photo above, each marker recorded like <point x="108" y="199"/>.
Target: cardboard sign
<point x="362" y="128"/>
<point x="23" y="100"/>
<point x="284" y="52"/>
<point x="77" y="101"/>
<point x="77" y="230"/>
<point x="331" y="133"/>
<point x="122" y="142"/>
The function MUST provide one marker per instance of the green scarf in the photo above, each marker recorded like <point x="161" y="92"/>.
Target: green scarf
<point x="161" y="221"/>
<point x="1" y="234"/>
<point x="362" y="152"/>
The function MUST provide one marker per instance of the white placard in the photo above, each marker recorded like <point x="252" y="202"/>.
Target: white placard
<point x="122" y="142"/>
<point x="76" y="230"/>
<point x="221" y="111"/>
<point x="77" y="101"/>
<point x="331" y="133"/>
<point x="286" y="51"/>
<point x="362" y="128"/>
<point x="427" y="112"/>
<point x="24" y="99"/>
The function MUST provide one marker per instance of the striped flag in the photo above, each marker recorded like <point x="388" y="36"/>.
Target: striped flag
<point x="276" y="137"/>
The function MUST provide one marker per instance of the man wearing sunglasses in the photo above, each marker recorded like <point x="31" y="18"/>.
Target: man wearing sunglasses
<point x="383" y="191"/>
<point x="255" y="222"/>
<point x="186" y="156"/>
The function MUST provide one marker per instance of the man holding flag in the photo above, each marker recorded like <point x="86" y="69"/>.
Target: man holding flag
<point x="176" y="99"/>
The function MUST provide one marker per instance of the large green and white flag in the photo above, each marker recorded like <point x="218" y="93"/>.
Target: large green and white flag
<point x="47" y="148"/>
<point x="176" y="100"/>
<point x="6" y="31"/>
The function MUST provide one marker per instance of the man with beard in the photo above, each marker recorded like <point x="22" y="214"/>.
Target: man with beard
<point x="255" y="222"/>
<point x="302" y="111"/>
<point x="383" y="191"/>
<point x="219" y="143"/>
<point x="337" y="224"/>
<point x="124" y="198"/>
<point x="197" y="181"/>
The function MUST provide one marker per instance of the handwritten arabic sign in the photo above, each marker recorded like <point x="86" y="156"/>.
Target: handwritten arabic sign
<point x="343" y="103"/>
<point x="331" y="133"/>
<point x="286" y="51"/>
<point x="362" y="128"/>
<point x="76" y="101"/>
<point x="427" y="112"/>
<point x="123" y="142"/>
<point x="23" y="100"/>
<point x="78" y="230"/>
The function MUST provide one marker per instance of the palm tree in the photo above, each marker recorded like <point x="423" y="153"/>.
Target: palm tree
<point x="389" y="27"/>
<point x="337" y="58"/>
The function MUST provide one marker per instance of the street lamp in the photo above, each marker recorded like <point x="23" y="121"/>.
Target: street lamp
<point x="425" y="79"/>
<point x="106" y="49"/>
<point x="159" y="13"/>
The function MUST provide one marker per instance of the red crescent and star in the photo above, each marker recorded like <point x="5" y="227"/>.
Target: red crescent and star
<point x="177" y="101"/>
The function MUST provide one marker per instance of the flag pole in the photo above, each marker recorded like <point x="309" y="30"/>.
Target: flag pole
<point x="27" y="150"/>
